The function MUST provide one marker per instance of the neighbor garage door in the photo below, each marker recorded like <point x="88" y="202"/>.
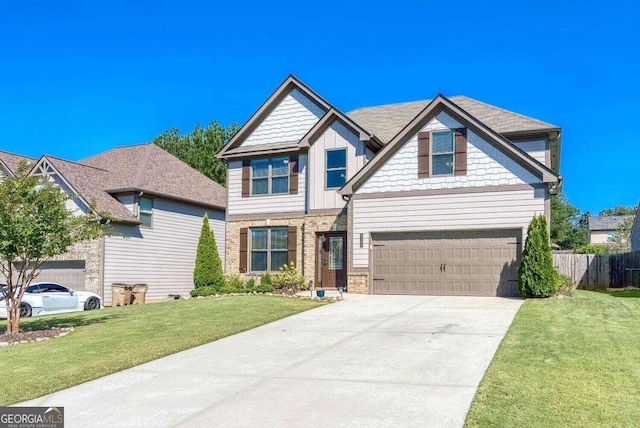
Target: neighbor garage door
<point x="70" y="273"/>
<point x="475" y="263"/>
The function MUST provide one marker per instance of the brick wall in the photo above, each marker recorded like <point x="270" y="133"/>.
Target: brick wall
<point x="92" y="254"/>
<point x="358" y="282"/>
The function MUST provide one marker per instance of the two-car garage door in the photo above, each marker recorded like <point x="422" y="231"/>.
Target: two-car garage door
<point x="477" y="263"/>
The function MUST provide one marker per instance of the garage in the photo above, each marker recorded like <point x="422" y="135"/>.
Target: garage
<point x="469" y="263"/>
<point x="66" y="272"/>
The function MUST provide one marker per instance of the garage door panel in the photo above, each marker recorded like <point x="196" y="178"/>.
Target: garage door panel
<point x="69" y="273"/>
<point x="451" y="263"/>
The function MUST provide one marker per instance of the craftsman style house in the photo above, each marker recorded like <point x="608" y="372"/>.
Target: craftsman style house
<point x="426" y="197"/>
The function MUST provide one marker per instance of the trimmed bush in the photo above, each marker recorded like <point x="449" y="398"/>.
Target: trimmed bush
<point x="203" y="291"/>
<point x="208" y="270"/>
<point x="267" y="288"/>
<point x="289" y="279"/>
<point x="564" y="285"/>
<point x="591" y="249"/>
<point x="536" y="275"/>
<point x="265" y="280"/>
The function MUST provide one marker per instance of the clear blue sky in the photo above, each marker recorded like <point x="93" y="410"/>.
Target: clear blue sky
<point x="77" y="78"/>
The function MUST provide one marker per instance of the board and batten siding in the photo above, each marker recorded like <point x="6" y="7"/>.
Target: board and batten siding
<point x="635" y="232"/>
<point x="290" y="120"/>
<point x="486" y="166"/>
<point x="337" y="136"/>
<point x="511" y="209"/>
<point x="264" y="204"/>
<point x="537" y="149"/>
<point x="163" y="257"/>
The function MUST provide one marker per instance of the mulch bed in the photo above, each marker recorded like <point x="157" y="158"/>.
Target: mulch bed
<point x="33" y="336"/>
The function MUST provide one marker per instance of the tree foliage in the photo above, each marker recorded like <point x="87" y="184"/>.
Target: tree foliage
<point x="568" y="225"/>
<point x="199" y="148"/>
<point x="536" y="274"/>
<point x="208" y="270"/>
<point x="618" y="210"/>
<point x="35" y="225"/>
<point x="621" y="240"/>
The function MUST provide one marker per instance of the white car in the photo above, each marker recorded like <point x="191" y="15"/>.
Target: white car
<point x="44" y="298"/>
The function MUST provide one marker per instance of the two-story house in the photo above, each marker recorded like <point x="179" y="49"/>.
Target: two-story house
<point x="426" y="197"/>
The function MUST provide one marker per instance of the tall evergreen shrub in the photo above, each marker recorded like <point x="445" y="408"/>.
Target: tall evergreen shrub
<point x="208" y="270"/>
<point x="536" y="274"/>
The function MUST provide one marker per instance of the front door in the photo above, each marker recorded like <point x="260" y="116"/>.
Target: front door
<point x="332" y="257"/>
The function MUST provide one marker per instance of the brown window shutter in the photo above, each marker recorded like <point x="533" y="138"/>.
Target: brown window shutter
<point x="246" y="178"/>
<point x="460" y="151"/>
<point x="293" y="174"/>
<point x="244" y="243"/>
<point x="423" y="154"/>
<point x="292" y="244"/>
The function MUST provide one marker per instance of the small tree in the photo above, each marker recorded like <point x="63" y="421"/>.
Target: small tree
<point x="621" y="240"/>
<point x="35" y="225"/>
<point x="208" y="269"/>
<point x="536" y="275"/>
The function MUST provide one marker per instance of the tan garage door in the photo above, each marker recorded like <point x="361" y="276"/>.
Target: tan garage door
<point x="475" y="263"/>
<point x="69" y="273"/>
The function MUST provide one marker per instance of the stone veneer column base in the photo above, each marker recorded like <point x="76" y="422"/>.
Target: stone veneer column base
<point x="358" y="282"/>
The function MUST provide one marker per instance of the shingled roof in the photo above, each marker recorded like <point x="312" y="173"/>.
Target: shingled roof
<point x="387" y="120"/>
<point x="150" y="169"/>
<point x="607" y="222"/>
<point x="11" y="160"/>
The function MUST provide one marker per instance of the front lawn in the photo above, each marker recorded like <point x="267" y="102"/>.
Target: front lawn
<point x="114" y="339"/>
<point x="566" y="362"/>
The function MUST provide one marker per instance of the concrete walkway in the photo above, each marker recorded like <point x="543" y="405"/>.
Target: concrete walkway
<point x="367" y="361"/>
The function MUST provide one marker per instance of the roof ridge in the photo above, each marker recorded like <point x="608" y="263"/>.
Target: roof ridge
<point x="142" y="167"/>
<point x="115" y="148"/>
<point x="503" y="110"/>
<point x="17" y="154"/>
<point x="390" y="104"/>
<point x="73" y="162"/>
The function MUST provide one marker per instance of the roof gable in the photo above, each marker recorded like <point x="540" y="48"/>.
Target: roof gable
<point x="606" y="222"/>
<point x="290" y="91"/>
<point x="10" y="161"/>
<point x="328" y="119"/>
<point x="430" y="111"/>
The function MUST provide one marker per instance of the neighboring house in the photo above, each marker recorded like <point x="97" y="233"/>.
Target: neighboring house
<point x="635" y="231"/>
<point x="9" y="163"/>
<point x="602" y="229"/>
<point x="155" y="203"/>
<point x="426" y="197"/>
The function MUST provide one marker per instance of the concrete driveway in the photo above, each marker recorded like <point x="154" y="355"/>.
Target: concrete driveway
<point x="366" y="361"/>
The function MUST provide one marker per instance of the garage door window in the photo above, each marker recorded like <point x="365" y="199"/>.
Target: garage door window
<point x="269" y="248"/>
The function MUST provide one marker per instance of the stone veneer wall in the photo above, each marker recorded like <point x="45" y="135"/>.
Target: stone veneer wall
<point x="311" y="224"/>
<point x="358" y="282"/>
<point x="93" y="255"/>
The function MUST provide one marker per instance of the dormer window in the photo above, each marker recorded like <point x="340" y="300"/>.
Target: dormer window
<point x="442" y="153"/>
<point x="336" y="174"/>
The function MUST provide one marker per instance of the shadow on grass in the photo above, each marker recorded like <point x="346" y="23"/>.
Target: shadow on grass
<point x="621" y="293"/>
<point x="44" y="322"/>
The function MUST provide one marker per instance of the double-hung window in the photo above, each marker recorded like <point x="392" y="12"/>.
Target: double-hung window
<point x="145" y="210"/>
<point x="442" y="152"/>
<point x="268" y="248"/>
<point x="270" y="176"/>
<point x="336" y="162"/>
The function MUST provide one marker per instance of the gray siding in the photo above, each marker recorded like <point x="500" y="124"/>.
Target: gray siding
<point x="536" y="149"/>
<point x="264" y="204"/>
<point x="337" y="136"/>
<point x="635" y="232"/>
<point x="163" y="256"/>
<point x="490" y="210"/>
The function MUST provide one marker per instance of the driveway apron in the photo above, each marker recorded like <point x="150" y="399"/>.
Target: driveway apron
<point x="367" y="361"/>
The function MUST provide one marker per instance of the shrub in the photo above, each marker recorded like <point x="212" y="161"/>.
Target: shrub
<point x="265" y="280"/>
<point x="591" y="249"/>
<point x="289" y="278"/>
<point x="204" y="291"/>
<point x="208" y="270"/>
<point x="264" y="288"/>
<point x="564" y="285"/>
<point x="536" y="275"/>
<point x="250" y="285"/>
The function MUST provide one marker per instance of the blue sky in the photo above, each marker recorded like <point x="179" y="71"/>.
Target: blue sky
<point x="77" y="78"/>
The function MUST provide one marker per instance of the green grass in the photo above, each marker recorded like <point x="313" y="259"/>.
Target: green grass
<point x="114" y="339"/>
<point x="566" y="362"/>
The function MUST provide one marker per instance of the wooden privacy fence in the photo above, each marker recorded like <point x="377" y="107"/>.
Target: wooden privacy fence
<point x="591" y="272"/>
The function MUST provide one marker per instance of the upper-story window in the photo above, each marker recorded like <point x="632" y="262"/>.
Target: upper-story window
<point x="336" y="174"/>
<point x="270" y="176"/>
<point x="145" y="210"/>
<point x="442" y="152"/>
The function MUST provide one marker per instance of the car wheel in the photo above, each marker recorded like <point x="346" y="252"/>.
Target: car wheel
<point x="25" y="310"/>
<point x="91" y="304"/>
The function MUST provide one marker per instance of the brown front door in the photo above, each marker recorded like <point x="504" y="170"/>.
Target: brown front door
<point x="332" y="258"/>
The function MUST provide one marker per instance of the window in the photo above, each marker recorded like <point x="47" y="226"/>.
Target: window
<point x="336" y="254"/>
<point x="53" y="288"/>
<point x="145" y="209"/>
<point x="336" y="168"/>
<point x="269" y="248"/>
<point x="270" y="176"/>
<point x="442" y="153"/>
